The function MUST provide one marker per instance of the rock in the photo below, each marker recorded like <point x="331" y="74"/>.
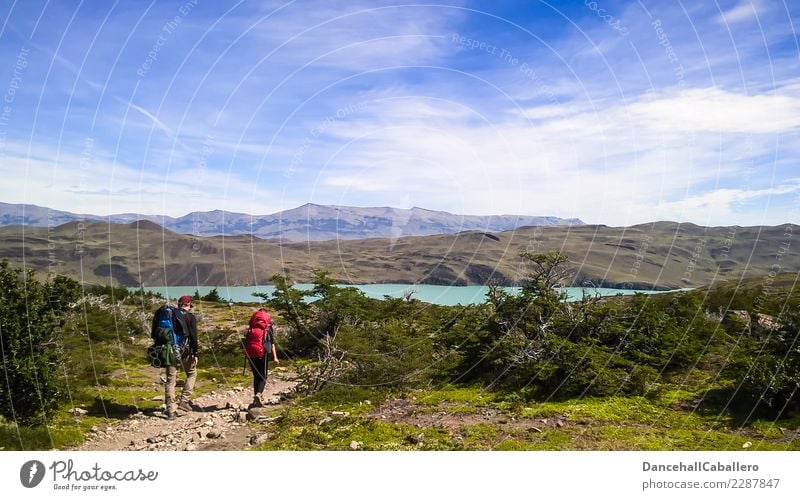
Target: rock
<point x="766" y="323"/>
<point x="213" y="434"/>
<point x="163" y="379"/>
<point x="274" y="400"/>
<point x="534" y="429"/>
<point x="257" y="440"/>
<point x="94" y="429"/>
<point x="78" y="412"/>
<point x="158" y="398"/>
<point x="325" y="420"/>
<point x="209" y="423"/>
<point x="748" y="444"/>
<point x="367" y="402"/>
<point x="190" y="447"/>
<point x="133" y="443"/>
<point x="415" y="439"/>
<point x="355" y="445"/>
<point x="738" y="320"/>
<point x="544" y="421"/>
<point x="257" y="413"/>
<point x="559" y="423"/>
<point x="241" y="417"/>
<point x="340" y="413"/>
<point x="152" y="440"/>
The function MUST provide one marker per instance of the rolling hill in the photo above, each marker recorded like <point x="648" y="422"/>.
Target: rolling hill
<point x="661" y="255"/>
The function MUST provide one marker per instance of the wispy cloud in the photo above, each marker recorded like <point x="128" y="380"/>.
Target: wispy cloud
<point x="743" y="11"/>
<point x="94" y="182"/>
<point x="154" y="119"/>
<point x="727" y="204"/>
<point x="606" y="164"/>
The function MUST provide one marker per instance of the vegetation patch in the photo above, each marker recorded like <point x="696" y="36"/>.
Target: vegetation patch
<point x="527" y="371"/>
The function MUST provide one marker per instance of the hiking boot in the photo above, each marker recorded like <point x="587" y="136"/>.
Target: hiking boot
<point x="256" y="403"/>
<point x="185" y="406"/>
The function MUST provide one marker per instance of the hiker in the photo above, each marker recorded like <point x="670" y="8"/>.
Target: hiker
<point x="258" y="345"/>
<point x="185" y="326"/>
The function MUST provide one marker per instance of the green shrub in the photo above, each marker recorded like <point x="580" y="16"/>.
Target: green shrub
<point x="31" y="315"/>
<point x="767" y="375"/>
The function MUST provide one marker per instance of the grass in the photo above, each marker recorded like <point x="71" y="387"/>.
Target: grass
<point x="62" y="431"/>
<point x="615" y="423"/>
<point x="665" y="438"/>
<point x="472" y="395"/>
<point x="307" y="429"/>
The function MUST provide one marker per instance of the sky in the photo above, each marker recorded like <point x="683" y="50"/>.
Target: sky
<point x="617" y="113"/>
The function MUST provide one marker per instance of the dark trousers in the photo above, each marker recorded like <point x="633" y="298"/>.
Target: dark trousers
<point x="259" y="368"/>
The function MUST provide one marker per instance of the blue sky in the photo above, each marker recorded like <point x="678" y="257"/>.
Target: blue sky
<point x="614" y="112"/>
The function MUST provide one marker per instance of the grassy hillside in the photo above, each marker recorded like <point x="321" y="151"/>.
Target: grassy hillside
<point x="664" y="255"/>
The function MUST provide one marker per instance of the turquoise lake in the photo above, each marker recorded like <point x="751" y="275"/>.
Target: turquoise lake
<point x="434" y="294"/>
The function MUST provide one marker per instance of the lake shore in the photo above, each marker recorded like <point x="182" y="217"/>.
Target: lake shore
<point x="434" y="294"/>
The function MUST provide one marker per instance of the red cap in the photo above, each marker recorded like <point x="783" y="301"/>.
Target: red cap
<point x="186" y="299"/>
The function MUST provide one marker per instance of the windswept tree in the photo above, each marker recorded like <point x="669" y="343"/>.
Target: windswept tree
<point x="212" y="296"/>
<point x="531" y="313"/>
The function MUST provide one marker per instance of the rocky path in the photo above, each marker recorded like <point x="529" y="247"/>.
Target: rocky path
<point x="220" y="421"/>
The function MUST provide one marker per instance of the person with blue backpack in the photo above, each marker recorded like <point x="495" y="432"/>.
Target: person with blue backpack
<point x="175" y="334"/>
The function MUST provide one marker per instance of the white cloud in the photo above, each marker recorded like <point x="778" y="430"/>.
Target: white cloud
<point x="153" y="119"/>
<point x="357" y="36"/>
<point x="743" y="11"/>
<point x="721" y="204"/>
<point x="716" y="110"/>
<point x="616" y="165"/>
<point x="92" y="182"/>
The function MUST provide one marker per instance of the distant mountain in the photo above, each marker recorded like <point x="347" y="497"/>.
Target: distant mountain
<point x="309" y="222"/>
<point x="658" y="255"/>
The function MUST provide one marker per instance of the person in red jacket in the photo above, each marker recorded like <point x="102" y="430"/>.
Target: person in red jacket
<point x="258" y="345"/>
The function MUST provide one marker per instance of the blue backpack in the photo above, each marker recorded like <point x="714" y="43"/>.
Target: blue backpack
<point x="163" y="331"/>
<point x="168" y="323"/>
<point x="163" y="352"/>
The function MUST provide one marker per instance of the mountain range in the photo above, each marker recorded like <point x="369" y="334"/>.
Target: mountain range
<point x="309" y="222"/>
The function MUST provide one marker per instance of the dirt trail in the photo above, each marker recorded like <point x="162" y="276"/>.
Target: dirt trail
<point x="219" y="422"/>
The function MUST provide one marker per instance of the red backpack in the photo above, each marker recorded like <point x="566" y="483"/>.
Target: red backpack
<point x="258" y="341"/>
